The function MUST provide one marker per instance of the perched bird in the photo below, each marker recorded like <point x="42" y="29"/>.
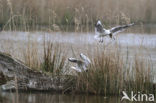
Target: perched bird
<point x="101" y="32"/>
<point x="81" y="65"/>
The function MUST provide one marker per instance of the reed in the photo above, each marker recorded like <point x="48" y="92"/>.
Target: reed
<point x="110" y="71"/>
<point x="31" y="55"/>
<point x="74" y="15"/>
<point x="54" y="58"/>
<point x="51" y="59"/>
<point x="109" y="74"/>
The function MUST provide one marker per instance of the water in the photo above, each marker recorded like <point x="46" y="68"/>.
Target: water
<point x="15" y="42"/>
<point x="55" y="98"/>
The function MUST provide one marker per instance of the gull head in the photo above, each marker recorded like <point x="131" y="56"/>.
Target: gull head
<point x="98" y="23"/>
<point x="99" y="27"/>
<point x="85" y="58"/>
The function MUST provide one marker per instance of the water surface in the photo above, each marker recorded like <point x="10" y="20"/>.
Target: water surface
<point x="55" y="98"/>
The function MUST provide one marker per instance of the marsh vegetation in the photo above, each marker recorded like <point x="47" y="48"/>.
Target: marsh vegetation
<point x="45" y="33"/>
<point x="114" y="65"/>
<point x="69" y="15"/>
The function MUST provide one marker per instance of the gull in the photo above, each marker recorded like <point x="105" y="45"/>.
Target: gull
<point x="81" y="65"/>
<point x="102" y="32"/>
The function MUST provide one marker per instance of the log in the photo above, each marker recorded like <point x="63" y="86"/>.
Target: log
<point x="16" y="75"/>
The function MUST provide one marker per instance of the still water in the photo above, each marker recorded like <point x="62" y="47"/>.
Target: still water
<point x="55" y="98"/>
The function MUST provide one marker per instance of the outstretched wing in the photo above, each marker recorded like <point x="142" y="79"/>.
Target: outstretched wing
<point x="76" y="69"/>
<point x="73" y="60"/>
<point x="118" y="29"/>
<point x="85" y="58"/>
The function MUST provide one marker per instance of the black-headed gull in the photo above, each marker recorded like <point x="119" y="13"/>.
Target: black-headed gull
<point x="81" y="65"/>
<point x="101" y="32"/>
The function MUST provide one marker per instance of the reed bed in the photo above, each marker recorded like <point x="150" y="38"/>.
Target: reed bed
<point x="75" y="15"/>
<point x="109" y="73"/>
<point x="50" y="59"/>
<point x="112" y="68"/>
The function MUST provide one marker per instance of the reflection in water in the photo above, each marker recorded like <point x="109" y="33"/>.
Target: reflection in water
<point x="55" y="98"/>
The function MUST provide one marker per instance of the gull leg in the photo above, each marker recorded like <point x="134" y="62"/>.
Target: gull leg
<point x="101" y="40"/>
<point x="114" y="38"/>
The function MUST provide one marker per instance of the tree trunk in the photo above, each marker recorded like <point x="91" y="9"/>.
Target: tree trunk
<point x="15" y="75"/>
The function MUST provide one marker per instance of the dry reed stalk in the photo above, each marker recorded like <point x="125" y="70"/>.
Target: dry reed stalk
<point x="47" y="12"/>
<point x="107" y="74"/>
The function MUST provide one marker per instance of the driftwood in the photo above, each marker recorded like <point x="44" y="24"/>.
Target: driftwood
<point x="15" y="75"/>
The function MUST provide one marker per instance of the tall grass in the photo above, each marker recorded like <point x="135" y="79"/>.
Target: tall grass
<point x="51" y="58"/>
<point x="110" y="71"/>
<point x="54" y="59"/>
<point x="109" y="74"/>
<point x="39" y="14"/>
<point x="31" y="55"/>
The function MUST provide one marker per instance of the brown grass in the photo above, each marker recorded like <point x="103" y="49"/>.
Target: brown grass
<point x="51" y="58"/>
<point x="54" y="58"/>
<point x="36" y="14"/>
<point x="110" y="72"/>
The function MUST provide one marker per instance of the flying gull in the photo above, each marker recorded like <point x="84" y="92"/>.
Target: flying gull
<point x="81" y="65"/>
<point x="102" y="32"/>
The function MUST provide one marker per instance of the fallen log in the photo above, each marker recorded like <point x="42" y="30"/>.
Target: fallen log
<point x="15" y="75"/>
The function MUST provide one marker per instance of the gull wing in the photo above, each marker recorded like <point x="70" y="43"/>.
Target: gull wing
<point x="73" y="60"/>
<point x="74" y="68"/>
<point x="118" y="29"/>
<point x="85" y="58"/>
